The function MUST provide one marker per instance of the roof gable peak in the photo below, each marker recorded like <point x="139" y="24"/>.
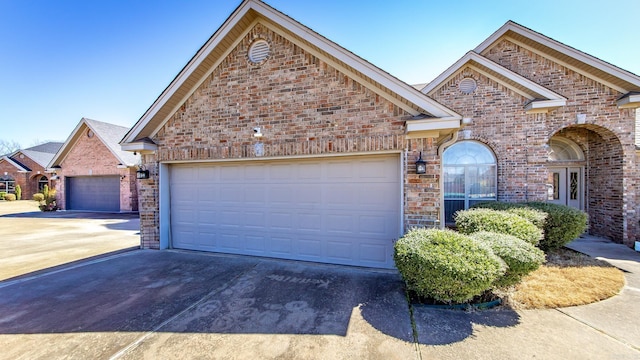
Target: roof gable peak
<point x="576" y="60"/>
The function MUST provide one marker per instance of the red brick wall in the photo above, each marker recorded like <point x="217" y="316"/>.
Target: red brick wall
<point x="519" y="140"/>
<point x="303" y="107"/>
<point x="91" y="157"/>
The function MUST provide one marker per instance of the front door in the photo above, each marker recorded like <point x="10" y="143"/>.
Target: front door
<point x="565" y="186"/>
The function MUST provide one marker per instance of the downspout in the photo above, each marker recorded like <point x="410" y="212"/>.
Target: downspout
<point x="441" y="149"/>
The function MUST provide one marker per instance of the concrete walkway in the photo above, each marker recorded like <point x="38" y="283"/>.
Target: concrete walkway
<point x="618" y="317"/>
<point x="609" y="329"/>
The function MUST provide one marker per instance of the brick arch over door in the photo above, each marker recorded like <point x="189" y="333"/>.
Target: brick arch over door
<point x="604" y="179"/>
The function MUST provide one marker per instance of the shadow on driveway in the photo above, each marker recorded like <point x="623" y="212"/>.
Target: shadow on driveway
<point x="89" y="215"/>
<point x="190" y="292"/>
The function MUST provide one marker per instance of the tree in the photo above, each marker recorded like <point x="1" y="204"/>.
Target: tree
<point x="8" y="146"/>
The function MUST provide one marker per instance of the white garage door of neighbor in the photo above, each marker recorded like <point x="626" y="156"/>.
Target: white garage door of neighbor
<point x="334" y="210"/>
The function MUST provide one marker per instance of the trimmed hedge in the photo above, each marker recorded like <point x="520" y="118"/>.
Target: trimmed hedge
<point x="445" y="265"/>
<point x="521" y="257"/>
<point x="38" y="197"/>
<point x="562" y="225"/>
<point x="475" y="220"/>
<point x="10" y="197"/>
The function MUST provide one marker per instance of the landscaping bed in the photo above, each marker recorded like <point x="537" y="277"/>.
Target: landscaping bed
<point x="502" y="252"/>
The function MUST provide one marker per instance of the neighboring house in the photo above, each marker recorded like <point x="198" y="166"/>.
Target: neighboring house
<point x="274" y="141"/>
<point x="94" y="173"/>
<point x="28" y="168"/>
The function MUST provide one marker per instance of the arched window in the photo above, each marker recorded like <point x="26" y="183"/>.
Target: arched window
<point x="470" y="176"/>
<point x="42" y="182"/>
<point x="564" y="150"/>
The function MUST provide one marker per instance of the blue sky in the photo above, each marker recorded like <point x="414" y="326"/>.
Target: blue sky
<point x="109" y="60"/>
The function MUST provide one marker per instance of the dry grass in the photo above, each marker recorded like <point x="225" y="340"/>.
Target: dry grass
<point x="567" y="279"/>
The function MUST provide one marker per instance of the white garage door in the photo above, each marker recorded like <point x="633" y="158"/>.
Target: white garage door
<point x="334" y="210"/>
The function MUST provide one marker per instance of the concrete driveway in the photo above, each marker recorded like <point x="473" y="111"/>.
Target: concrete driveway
<point x="178" y="304"/>
<point x="32" y="240"/>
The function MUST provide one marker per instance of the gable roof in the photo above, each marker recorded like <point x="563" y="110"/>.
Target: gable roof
<point x="225" y="39"/>
<point x="540" y="98"/>
<point x="110" y="136"/>
<point x="18" y="166"/>
<point x="576" y="60"/>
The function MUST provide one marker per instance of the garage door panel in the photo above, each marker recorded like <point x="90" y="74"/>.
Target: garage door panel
<point x="281" y="245"/>
<point x="373" y="253"/>
<point x="316" y="210"/>
<point x="309" y="222"/>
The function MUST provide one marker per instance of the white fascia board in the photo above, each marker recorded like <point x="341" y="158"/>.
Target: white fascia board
<point x="58" y="158"/>
<point x="432" y="125"/>
<point x="186" y="72"/>
<point x="15" y="164"/>
<point x="555" y="45"/>
<point x="629" y="102"/>
<point x="544" y="105"/>
<point x="480" y="60"/>
<point x="139" y="146"/>
<point x="404" y="90"/>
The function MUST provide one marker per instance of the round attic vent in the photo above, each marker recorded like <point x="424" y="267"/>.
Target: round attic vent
<point x="259" y="51"/>
<point x="467" y="85"/>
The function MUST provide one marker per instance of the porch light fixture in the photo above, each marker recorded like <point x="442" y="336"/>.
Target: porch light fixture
<point x="421" y="165"/>
<point x="142" y="173"/>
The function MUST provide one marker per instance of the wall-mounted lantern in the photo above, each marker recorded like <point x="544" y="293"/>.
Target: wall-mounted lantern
<point x="421" y="165"/>
<point x="142" y="173"/>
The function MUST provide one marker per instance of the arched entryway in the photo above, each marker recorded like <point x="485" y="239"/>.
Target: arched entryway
<point x="586" y="170"/>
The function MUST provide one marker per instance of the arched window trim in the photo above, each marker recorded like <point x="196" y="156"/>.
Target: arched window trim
<point x="467" y="183"/>
<point x="578" y="154"/>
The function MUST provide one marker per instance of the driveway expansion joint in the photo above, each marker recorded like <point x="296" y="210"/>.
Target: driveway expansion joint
<point x="601" y="331"/>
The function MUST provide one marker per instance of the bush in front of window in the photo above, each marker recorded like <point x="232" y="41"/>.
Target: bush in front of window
<point x="521" y="257"/>
<point x="38" y="197"/>
<point x="9" y="197"/>
<point x="476" y="220"/>
<point x="2" y="194"/>
<point x="445" y="265"/>
<point x="536" y="217"/>
<point x="562" y="224"/>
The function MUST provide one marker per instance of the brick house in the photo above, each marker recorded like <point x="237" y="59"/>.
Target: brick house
<point x="274" y="141"/>
<point x="28" y="168"/>
<point x="552" y="124"/>
<point x="94" y="173"/>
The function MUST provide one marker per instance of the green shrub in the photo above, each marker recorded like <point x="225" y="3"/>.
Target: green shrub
<point x="445" y="265"/>
<point x="2" y="194"/>
<point x="521" y="257"/>
<point x="18" y="192"/>
<point x="10" y="197"/>
<point x="562" y="224"/>
<point x="38" y="197"/>
<point x="503" y="222"/>
<point x="49" y="202"/>
<point x="536" y="217"/>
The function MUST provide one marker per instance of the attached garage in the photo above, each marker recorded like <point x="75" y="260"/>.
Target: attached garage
<point x="342" y="210"/>
<point x="93" y="193"/>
